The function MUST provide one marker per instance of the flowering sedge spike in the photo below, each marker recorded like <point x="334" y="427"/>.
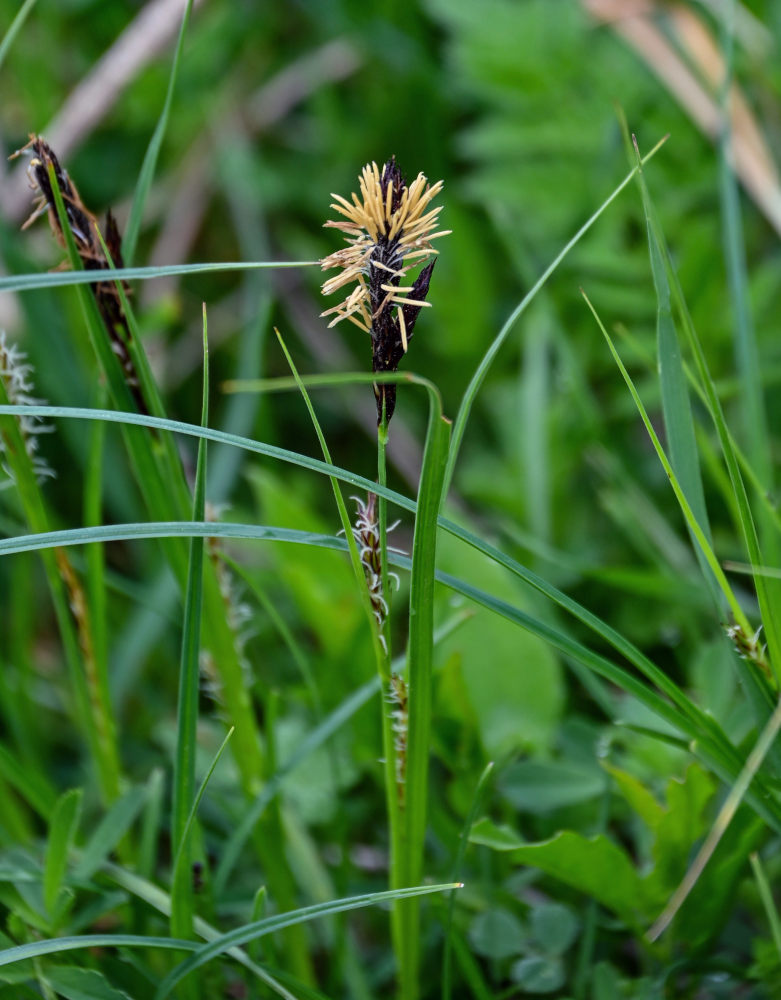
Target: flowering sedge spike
<point x="388" y="230"/>
<point x="748" y="647"/>
<point x="83" y="226"/>
<point x="367" y="536"/>
<point x="15" y="375"/>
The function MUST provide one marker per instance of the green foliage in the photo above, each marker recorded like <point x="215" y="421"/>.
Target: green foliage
<point x="575" y="727"/>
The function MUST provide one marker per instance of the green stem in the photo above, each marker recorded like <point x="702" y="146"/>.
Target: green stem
<point x="392" y="790"/>
<point x="382" y="516"/>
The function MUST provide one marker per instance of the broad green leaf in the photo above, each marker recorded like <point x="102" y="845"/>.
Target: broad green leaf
<point x="538" y="974"/>
<point x="684" y="822"/>
<point x="539" y="786"/>
<point x="499" y="837"/>
<point x="606" y="983"/>
<point x="314" y="790"/>
<point x="497" y="933"/>
<point x="74" y="983"/>
<point x="513" y="679"/>
<point x="712" y="901"/>
<point x="640" y="800"/>
<point x="596" y="867"/>
<point x="554" y="927"/>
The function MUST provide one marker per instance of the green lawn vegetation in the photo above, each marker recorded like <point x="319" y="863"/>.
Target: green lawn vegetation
<point x="430" y="647"/>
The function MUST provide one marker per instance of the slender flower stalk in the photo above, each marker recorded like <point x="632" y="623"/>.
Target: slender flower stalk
<point x="389" y="230"/>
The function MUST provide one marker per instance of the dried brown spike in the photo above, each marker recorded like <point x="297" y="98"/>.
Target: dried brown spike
<point x="84" y="229"/>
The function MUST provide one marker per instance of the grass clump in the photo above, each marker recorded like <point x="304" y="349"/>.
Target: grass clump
<point x="525" y="744"/>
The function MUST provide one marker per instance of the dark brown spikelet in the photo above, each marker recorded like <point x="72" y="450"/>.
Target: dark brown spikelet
<point x="84" y="229"/>
<point x="388" y="231"/>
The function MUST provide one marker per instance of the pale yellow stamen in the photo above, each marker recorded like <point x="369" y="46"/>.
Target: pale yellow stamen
<point x="402" y="328"/>
<point x="363" y="221"/>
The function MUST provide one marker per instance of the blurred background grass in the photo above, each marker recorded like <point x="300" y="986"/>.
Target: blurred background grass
<point x="514" y="105"/>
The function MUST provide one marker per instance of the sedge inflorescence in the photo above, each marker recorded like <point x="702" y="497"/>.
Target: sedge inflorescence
<point x="44" y="170"/>
<point x="388" y="230"/>
<point x="16" y="377"/>
<point x="367" y="535"/>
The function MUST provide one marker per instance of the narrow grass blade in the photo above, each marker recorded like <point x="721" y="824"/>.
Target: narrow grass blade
<point x="420" y="646"/>
<point x="478" y="378"/>
<point x="751" y="393"/>
<point x="147" y="385"/>
<point x="229" y="854"/>
<point x="14" y="28"/>
<point x="154" y="897"/>
<point x="57" y="279"/>
<point x="165" y="492"/>
<point x="245" y="197"/>
<point x="706" y="739"/>
<point x="259" y="904"/>
<point x="92" y="705"/>
<point x="769" y="600"/>
<point x="57" y="946"/>
<point x="726" y="813"/>
<point x="151" y="823"/>
<point x="755" y="684"/>
<point x="769" y="904"/>
<point x="189" y="683"/>
<point x="683" y="502"/>
<point x="96" y="564"/>
<point x="181" y="850"/>
<point x="165" y="529"/>
<point x="109" y="832"/>
<point x="32" y="788"/>
<point x="754" y="423"/>
<point x="535" y="390"/>
<point x="658" y="677"/>
<point x="363" y="590"/>
<point x="326" y="728"/>
<point x="463" y="840"/>
<point x="153" y="151"/>
<point x="595" y="624"/>
<point x="676" y="405"/>
<point x="344" y="516"/>
<point x="62" y="830"/>
<point x="241" y="935"/>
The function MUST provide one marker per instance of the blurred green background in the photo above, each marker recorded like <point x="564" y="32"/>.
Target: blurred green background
<point x="516" y="106"/>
